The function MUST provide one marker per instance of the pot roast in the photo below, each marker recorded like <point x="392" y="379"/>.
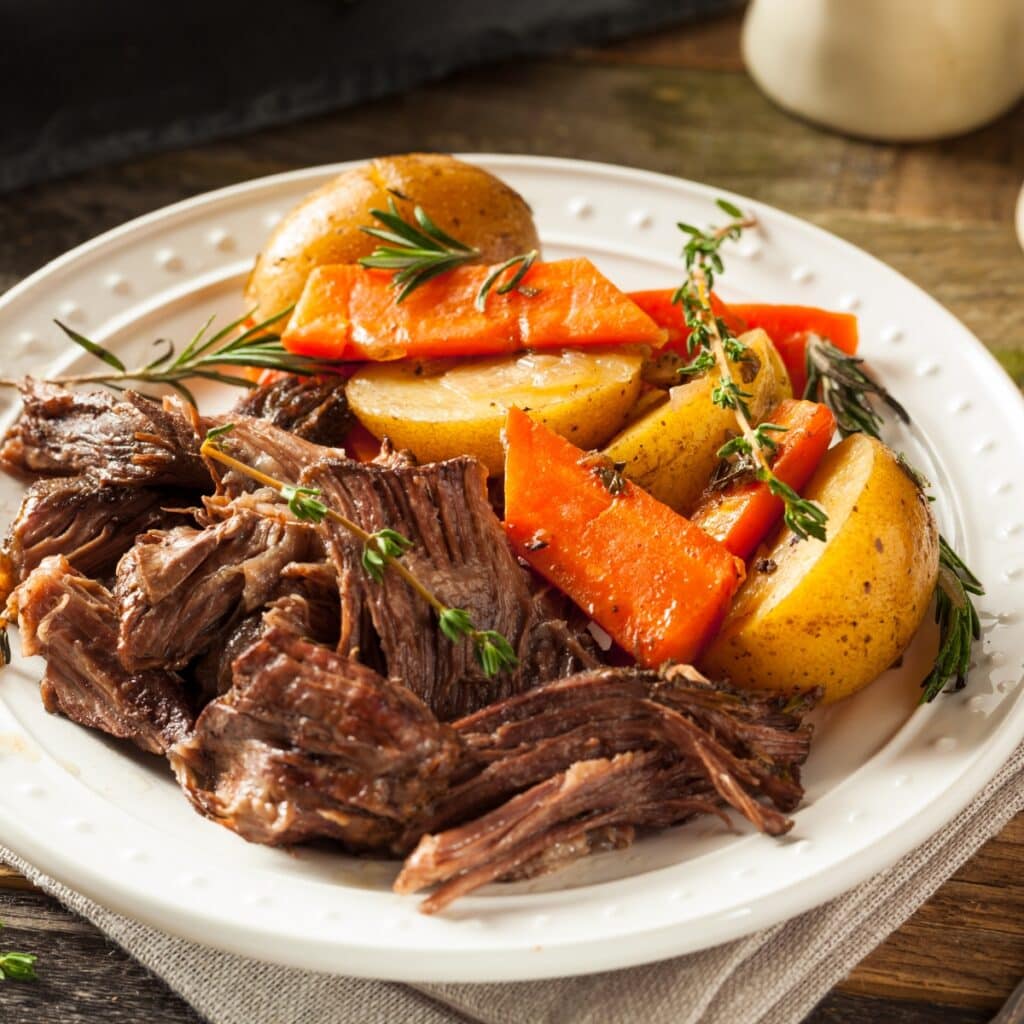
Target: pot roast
<point x="188" y="610"/>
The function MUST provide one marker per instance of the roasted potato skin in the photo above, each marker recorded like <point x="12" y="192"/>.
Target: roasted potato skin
<point x="444" y="408"/>
<point x="836" y="614"/>
<point x="671" y="451"/>
<point x="469" y="203"/>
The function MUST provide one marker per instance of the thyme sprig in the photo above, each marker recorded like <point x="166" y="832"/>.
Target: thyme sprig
<point x="17" y="966"/>
<point x="418" y="251"/>
<point x="204" y="357"/>
<point x="382" y="551"/>
<point x="837" y="380"/>
<point x="716" y="348"/>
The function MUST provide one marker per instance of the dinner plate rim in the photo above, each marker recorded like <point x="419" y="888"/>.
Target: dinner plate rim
<point x="250" y="938"/>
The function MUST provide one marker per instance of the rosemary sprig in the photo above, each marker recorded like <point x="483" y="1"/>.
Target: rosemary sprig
<point x="837" y="380"/>
<point x="382" y="550"/>
<point x="959" y="625"/>
<point x="203" y="358"/>
<point x="17" y="966"/>
<point x="418" y="250"/>
<point x="840" y="382"/>
<point x="717" y="348"/>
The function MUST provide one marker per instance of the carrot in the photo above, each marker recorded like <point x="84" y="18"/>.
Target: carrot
<point x="658" y="305"/>
<point x="789" y="326"/>
<point x="742" y="514"/>
<point x="348" y="312"/>
<point x="656" y="583"/>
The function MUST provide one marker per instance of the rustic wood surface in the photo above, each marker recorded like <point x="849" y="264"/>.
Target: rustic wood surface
<point x="676" y="102"/>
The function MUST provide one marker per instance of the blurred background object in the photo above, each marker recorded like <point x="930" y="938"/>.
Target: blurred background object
<point x="898" y="70"/>
<point x="86" y="85"/>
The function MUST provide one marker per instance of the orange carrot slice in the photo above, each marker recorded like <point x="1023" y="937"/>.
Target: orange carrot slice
<point x="348" y="312"/>
<point x="742" y="514"/>
<point x="658" y="305"/>
<point x="789" y="328"/>
<point x="655" y="582"/>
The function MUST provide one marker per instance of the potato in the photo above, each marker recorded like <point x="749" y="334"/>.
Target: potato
<point x="469" y="203"/>
<point x="449" y="407"/>
<point x="836" y="614"/>
<point x="672" y="450"/>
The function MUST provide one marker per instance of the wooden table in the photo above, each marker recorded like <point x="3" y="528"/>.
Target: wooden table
<point x="680" y="103"/>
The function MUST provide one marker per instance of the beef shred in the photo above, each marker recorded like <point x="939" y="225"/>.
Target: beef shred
<point x="72" y="622"/>
<point x="313" y="408"/>
<point x="584" y="761"/>
<point x="310" y="743"/>
<point x="120" y="440"/>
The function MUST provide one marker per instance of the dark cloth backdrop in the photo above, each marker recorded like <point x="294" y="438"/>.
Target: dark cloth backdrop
<point x="87" y="82"/>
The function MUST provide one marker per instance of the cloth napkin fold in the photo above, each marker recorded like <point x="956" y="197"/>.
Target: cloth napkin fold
<point x="772" y="977"/>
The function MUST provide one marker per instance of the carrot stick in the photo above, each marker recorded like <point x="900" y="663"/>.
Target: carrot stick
<point x="742" y="514"/>
<point x="789" y="326"/>
<point x="656" y="583"/>
<point x="348" y="312"/>
<point x="658" y="305"/>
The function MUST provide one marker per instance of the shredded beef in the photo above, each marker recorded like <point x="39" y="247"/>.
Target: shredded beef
<point x="92" y="524"/>
<point x="178" y="589"/>
<point x="459" y="552"/>
<point x="309" y="743"/>
<point x="313" y="408"/>
<point x="548" y="772"/>
<point x="72" y="622"/>
<point x="127" y="439"/>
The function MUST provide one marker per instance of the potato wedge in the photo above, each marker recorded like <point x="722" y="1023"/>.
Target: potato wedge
<point x="468" y="202"/>
<point x="444" y="408"/>
<point x="836" y="614"/>
<point x="671" y="451"/>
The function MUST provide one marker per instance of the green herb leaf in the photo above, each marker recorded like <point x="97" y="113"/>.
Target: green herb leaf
<point x="18" y="967"/>
<point x="730" y="208"/>
<point x="304" y="503"/>
<point x="493" y="652"/>
<point x="455" y="623"/>
<point x="524" y="261"/>
<point x="958" y="620"/>
<point x="838" y="381"/>
<point x="92" y="347"/>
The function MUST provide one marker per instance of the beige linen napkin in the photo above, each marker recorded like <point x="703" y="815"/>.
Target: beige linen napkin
<point x="773" y="977"/>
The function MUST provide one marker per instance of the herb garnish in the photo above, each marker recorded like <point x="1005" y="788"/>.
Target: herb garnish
<point x="718" y="348"/>
<point x="382" y="550"/>
<point x="419" y="250"/>
<point x="837" y="380"/>
<point x="255" y="347"/>
<point x="17" y="966"/>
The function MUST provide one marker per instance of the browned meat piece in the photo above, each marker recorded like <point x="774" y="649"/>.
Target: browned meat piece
<point x="309" y="608"/>
<point x="546" y="826"/>
<point x="460" y="552"/>
<point x="308" y="743"/>
<point x="178" y="589"/>
<point x="270" y="449"/>
<point x="90" y="523"/>
<point x="120" y="440"/>
<point x="314" y="408"/>
<point x="72" y="622"/>
<point x="612" y="749"/>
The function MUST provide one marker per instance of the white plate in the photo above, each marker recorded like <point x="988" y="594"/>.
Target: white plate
<point x="883" y="774"/>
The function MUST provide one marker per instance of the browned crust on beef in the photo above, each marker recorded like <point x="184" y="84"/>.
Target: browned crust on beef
<point x="71" y="621"/>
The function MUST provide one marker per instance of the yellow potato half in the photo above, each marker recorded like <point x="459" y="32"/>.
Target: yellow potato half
<point x="672" y="450"/>
<point x="469" y="203"/>
<point x="444" y="408"/>
<point x="836" y="614"/>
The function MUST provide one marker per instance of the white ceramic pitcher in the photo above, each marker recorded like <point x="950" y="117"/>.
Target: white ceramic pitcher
<point x="889" y="69"/>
